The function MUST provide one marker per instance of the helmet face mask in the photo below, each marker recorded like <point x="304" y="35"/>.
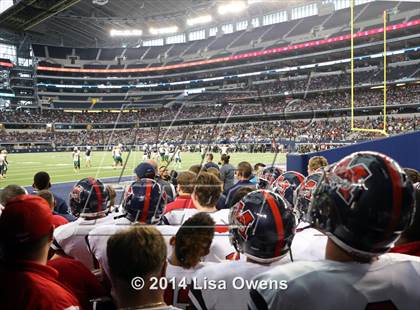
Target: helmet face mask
<point x="362" y="203"/>
<point x="262" y="226"/>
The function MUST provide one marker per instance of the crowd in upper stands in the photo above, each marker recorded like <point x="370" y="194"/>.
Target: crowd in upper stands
<point x="311" y="130"/>
<point x="227" y="105"/>
<point x="177" y="231"/>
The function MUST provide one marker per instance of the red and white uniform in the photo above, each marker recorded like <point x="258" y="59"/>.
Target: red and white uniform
<point x="99" y="236"/>
<point x="181" y="277"/>
<point x="391" y="282"/>
<point x="71" y="238"/>
<point x="232" y="274"/>
<point x="179" y="216"/>
<point x="308" y="243"/>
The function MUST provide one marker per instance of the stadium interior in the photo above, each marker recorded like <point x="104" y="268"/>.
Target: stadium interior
<point x="148" y="82"/>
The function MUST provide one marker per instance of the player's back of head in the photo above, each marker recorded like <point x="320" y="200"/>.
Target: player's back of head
<point x="262" y="226"/>
<point x="244" y="170"/>
<point x="89" y="198"/>
<point x="207" y="189"/>
<point x="185" y="181"/>
<point x="139" y="251"/>
<point x="42" y="180"/>
<point x="193" y="240"/>
<point x="316" y="162"/>
<point x="144" y="201"/>
<point x="363" y="203"/>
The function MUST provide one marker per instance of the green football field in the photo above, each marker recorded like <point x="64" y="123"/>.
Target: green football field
<point x="59" y="165"/>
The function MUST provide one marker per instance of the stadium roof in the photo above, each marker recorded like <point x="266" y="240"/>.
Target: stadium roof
<point x="88" y="22"/>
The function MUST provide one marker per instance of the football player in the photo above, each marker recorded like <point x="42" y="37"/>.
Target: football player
<point x="88" y="157"/>
<point x="363" y="203"/>
<point x="286" y="184"/>
<point x="146" y="152"/>
<point x="309" y="243"/>
<point x="189" y="246"/>
<point x="3" y="164"/>
<point x="76" y="159"/>
<point x="144" y="202"/>
<point x="117" y="156"/>
<point x="178" y="159"/>
<point x="90" y="202"/>
<point x="261" y="227"/>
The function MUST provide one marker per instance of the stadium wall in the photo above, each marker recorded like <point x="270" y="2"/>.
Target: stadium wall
<point x="404" y="148"/>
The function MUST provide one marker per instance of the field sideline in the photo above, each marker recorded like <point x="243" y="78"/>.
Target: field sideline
<point x="59" y="165"/>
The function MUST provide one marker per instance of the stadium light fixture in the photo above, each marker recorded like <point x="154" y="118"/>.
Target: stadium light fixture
<point x="126" y="33"/>
<point x="232" y="7"/>
<point x="164" y="30"/>
<point x="199" y="20"/>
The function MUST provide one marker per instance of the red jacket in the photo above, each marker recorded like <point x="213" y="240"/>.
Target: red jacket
<point x="29" y="285"/>
<point x="411" y="248"/>
<point x="181" y="202"/>
<point x="74" y="275"/>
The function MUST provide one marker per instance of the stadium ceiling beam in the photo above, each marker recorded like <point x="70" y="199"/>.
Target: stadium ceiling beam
<point x="28" y="13"/>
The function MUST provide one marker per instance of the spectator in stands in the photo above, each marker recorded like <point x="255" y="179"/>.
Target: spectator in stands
<point x="185" y="188"/>
<point x="227" y="172"/>
<point x="210" y="162"/>
<point x="42" y="181"/>
<point x="244" y="175"/>
<point x="137" y="252"/>
<point x="316" y="162"/>
<point x="189" y="246"/>
<point x="10" y="192"/>
<point x="26" y="230"/>
<point x="58" y="220"/>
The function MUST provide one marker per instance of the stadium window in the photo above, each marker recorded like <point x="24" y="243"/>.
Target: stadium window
<point x="197" y="35"/>
<point x="304" y="11"/>
<point x="26" y="62"/>
<point x="212" y="31"/>
<point x="155" y="42"/>
<point x="242" y="25"/>
<point x="255" y="22"/>
<point x="5" y="4"/>
<point x="274" y="18"/>
<point x="228" y="28"/>
<point x="180" y="38"/>
<point x="8" y="51"/>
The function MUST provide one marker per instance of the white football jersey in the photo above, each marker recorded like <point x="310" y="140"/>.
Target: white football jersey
<point x="71" y="238"/>
<point x="308" y="244"/>
<point x="179" y="280"/>
<point x="99" y="236"/>
<point x="235" y="276"/>
<point x="179" y="216"/>
<point x="391" y="282"/>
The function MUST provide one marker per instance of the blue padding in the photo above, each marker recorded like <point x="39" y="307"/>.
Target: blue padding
<point x="404" y="148"/>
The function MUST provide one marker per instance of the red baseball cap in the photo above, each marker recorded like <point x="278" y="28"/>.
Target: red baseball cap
<point x="25" y="218"/>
